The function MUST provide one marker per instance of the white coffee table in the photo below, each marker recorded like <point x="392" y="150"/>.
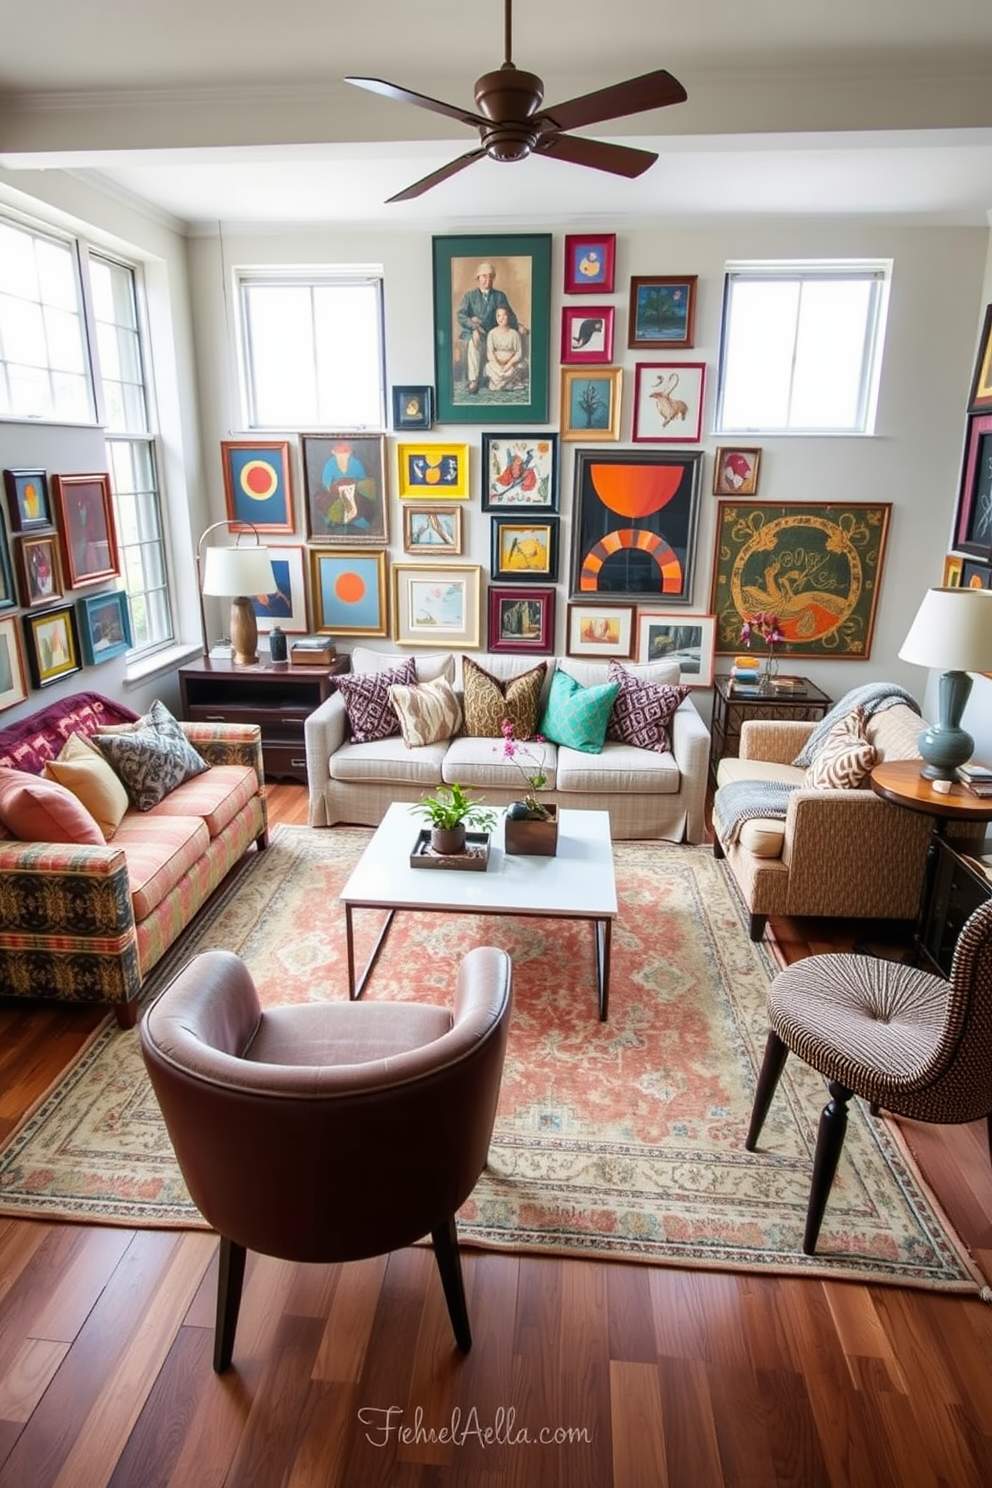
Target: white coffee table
<point x="577" y="884"/>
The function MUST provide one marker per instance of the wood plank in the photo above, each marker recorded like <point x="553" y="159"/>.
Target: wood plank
<point x="639" y="1459"/>
<point x="27" y="1375"/>
<point x="692" y="1451"/>
<point x="356" y="1296"/>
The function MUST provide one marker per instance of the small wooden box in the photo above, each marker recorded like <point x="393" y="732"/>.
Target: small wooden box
<point x="528" y="837"/>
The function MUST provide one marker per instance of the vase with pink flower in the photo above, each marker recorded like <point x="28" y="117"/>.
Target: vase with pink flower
<point x="531" y="825"/>
<point x="766" y="626"/>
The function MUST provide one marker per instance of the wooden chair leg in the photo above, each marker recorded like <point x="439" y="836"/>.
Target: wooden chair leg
<point x="829" y="1141"/>
<point x="756" y="926"/>
<point x="449" y="1265"/>
<point x="776" y="1053"/>
<point x="718" y="851"/>
<point x="229" y="1282"/>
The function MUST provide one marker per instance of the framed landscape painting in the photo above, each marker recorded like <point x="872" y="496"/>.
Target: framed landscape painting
<point x="344" y="478"/>
<point x="687" y="639"/>
<point x="104" y="626"/>
<point x="662" y="311"/>
<point x="525" y="547"/>
<point x="13" y="682"/>
<point x="634" y="524"/>
<point x="590" y="403"/>
<point x="437" y="606"/>
<point x="814" y="566"/>
<point x="492" y="319"/>
<point x="257" y="488"/>
<point x="600" y="630"/>
<point x="521" y="620"/>
<point x="520" y="470"/>
<point x="432" y="530"/>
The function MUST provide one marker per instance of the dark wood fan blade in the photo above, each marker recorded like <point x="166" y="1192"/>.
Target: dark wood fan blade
<point x="420" y="100"/>
<point x="619" y="160"/>
<point x="436" y="177"/>
<point x="652" y="90"/>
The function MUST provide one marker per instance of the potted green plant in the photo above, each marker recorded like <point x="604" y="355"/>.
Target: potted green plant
<point x="450" y="810"/>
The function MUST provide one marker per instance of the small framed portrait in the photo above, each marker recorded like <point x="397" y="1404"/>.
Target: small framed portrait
<point x="662" y="311"/>
<point x="13" y="682"/>
<point x="39" y="572"/>
<point x="286" y="606"/>
<point x="525" y="548"/>
<point x="973" y="519"/>
<point x="668" y="402"/>
<point x="590" y="403"/>
<point x="587" y="333"/>
<point x="953" y="564"/>
<point x="27" y="499"/>
<point x="257" y="484"/>
<point x="589" y="263"/>
<point x="688" y="639"/>
<point x="735" y="471"/>
<point x="981" y="383"/>
<point x="413" y="407"/>
<point x="521" y="620"/>
<point x="344" y="477"/>
<point x="976" y="575"/>
<point x="86" y="528"/>
<point x="432" y="472"/>
<point x="600" y="630"/>
<point x="520" y="470"/>
<point x="437" y="606"/>
<point x="348" y="593"/>
<point x="52" y="645"/>
<point x="104" y="626"/>
<point x="432" y="530"/>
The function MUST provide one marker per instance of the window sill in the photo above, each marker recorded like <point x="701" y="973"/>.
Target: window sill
<point x="162" y="662"/>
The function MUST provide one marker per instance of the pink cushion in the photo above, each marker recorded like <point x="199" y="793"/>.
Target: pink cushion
<point x="371" y="715"/>
<point x="642" y="711"/>
<point x="37" y="810"/>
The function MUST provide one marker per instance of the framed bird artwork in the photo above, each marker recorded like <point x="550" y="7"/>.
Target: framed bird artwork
<point x="587" y="333"/>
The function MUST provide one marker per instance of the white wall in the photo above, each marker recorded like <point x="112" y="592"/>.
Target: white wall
<point x="912" y="461"/>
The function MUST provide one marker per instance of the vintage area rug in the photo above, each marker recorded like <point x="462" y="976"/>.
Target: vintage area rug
<point x="620" y="1140"/>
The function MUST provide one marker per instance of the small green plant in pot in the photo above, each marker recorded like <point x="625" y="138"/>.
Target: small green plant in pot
<point x="450" y="811"/>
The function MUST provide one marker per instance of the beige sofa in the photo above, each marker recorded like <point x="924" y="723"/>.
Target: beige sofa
<point x="646" y="793"/>
<point x="838" y="852"/>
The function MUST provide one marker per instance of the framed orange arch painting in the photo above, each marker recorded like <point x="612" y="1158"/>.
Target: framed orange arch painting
<point x="634" y="524"/>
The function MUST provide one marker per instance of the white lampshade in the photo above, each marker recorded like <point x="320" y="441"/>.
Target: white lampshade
<point x="952" y="631"/>
<point x="238" y="571"/>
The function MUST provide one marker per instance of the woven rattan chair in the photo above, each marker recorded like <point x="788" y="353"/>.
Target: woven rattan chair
<point x="904" y="1040"/>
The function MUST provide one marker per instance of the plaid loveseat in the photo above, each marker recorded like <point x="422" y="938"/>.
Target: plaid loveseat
<point x="87" y="923"/>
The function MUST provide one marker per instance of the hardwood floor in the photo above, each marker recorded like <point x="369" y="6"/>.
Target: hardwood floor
<point x="585" y="1375"/>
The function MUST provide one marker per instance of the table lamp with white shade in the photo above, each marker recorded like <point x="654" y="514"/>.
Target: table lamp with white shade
<point x="236" y="573"/>
<point x="952" y="633"/>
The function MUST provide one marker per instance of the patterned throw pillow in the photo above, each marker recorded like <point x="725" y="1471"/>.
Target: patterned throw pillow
<point x="82" y="769"/>
<point x="488" y="701"/>
<point x="845" y="757"/>
<point x="36" y="810"/>
<point x="643" y="710"/>
<point x="371" y="716"/>
<point x="152" y="758"/>
<point x="577" y="716"/>
<point x="428" y="712"/>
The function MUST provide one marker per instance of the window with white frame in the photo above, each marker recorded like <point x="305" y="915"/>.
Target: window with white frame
<point x="312" y="348"/>
<point x="801" y="347"/>
<point x="126" y="409"/>
<point x="44" y="361"/>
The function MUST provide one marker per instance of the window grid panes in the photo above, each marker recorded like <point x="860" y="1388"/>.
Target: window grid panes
<point x="312" y="351"/>
<point x="133" y="470"/>
<point x="44" y="370"/>
<point x="801" y="350"/>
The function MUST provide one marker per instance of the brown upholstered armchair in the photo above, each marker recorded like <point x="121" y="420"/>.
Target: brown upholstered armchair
<point x="328" y="1131"/>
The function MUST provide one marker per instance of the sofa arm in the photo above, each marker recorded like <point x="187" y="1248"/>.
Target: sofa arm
<point x="775" y="740"/>
<point x="691" y="752"/>
<point x="228" y="744"/>
<point x="854" y="854"/>
<point x="67" y="926"/>
<point x="324" y="732"/>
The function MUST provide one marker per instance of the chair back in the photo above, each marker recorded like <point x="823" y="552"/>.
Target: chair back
<point x="310" y="1159"/>
<point x="962" y="1088"/>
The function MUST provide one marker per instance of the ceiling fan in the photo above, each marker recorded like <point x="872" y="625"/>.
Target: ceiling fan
<point x="512" y="124"/>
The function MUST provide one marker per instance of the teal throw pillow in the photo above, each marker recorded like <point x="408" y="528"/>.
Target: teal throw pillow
<point x="577" y="716"/>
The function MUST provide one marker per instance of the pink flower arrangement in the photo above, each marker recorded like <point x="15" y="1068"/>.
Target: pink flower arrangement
<point x="530" y="765"/>
<point x="764" y="624"/>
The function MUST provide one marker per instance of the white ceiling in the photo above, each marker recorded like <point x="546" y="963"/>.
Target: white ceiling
<point x="236" y="111"/>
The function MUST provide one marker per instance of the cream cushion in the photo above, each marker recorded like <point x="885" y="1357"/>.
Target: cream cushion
<point x="764" y="836"/>
<point x="428" y="712"/>
<point x="82" y="769"/>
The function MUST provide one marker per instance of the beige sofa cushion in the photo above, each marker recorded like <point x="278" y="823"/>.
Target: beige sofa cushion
<point x="764" y="836"/>
<point x="595" y="673"/>
<point x="364" y="659"/>
<point x="894" y="732"/>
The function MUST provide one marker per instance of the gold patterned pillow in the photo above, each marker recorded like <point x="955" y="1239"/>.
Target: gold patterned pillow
<point x="488" y="701"/>
<point x="428" y="712"/>
<point x="845" y="757"/>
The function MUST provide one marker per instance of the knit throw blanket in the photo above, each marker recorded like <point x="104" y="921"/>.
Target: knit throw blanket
<point x="748" y="800"/>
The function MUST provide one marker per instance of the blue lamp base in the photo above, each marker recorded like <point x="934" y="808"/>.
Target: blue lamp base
<point x="945" y="745"/>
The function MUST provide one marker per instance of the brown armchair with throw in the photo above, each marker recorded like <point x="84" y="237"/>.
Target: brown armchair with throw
<point x="328" y="1131"/>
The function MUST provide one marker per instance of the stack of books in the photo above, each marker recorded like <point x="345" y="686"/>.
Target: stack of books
<point x="314" y="650"/>
<point x="745" y="674"/>
<point x="977" y="777"/>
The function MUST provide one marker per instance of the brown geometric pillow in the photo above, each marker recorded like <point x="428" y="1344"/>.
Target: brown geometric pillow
<point x="845" y="758"/>
<point x="488" y="701"/>
<point x="371" y="715"/>
<point x="642" y="711"/>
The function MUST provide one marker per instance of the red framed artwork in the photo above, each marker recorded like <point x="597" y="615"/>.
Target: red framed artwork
<point x="86" y="528"/>
<point x="668" y="402"/>
<point x="587" y="333"/>
<point x="589" y="263"/>
<point x="521" y="620"/>
<point x="973" y="520"/>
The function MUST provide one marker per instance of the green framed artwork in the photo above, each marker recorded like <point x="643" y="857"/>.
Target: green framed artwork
<point x="492" y="326"/>
<point x="815" y="566"/>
